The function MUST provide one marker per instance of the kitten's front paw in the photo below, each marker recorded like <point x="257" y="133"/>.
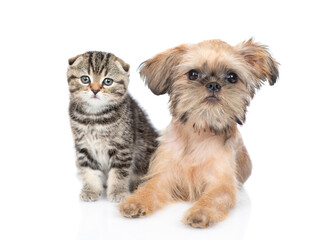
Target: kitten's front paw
<point x="199" y="218"/>
<point x="133" y="209"/>
<point x="117" y="196"/>
<point x="89" y="195"/>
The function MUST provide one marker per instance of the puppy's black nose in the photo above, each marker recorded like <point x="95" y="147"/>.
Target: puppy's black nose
<point x="213" y="87"/>
<point x="95" y="91"/>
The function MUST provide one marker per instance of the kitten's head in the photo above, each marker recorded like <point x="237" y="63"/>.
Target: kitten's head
<point x="97" y="80"/>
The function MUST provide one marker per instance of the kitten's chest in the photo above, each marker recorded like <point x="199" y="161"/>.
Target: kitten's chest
<point x="97" y="142"/>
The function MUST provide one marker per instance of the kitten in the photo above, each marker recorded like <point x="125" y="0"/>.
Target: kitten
<point x="113" y="138"/>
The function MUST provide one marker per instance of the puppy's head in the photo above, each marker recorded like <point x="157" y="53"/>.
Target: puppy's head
<point x="210" y="83"/>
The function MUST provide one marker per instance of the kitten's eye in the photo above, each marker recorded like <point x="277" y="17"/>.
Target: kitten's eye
<point x="85" y="79"/>
<point x="108" y="81"/>
<point x="232" y="77"/>
<point x="193" y="75"/>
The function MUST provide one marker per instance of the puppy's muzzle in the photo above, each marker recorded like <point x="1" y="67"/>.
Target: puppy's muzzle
<point x="213" y="87"/>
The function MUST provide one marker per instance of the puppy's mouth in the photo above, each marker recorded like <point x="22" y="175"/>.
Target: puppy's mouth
<point x="211" y="98"/>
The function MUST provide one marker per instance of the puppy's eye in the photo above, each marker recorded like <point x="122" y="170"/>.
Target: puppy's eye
<point x="232" y="77"/>
<point x="108" y="81"/>
<point x="85" y="79"/>
<point x="193" y="75"/>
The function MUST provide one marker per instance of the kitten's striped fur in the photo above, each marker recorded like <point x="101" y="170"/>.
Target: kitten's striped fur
<point x="113" y="138"/>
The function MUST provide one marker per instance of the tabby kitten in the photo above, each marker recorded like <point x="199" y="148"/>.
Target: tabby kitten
<point x="113" y="138"/>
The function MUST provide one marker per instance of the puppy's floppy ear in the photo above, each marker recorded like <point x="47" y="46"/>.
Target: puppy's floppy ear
<point x="158" y="71"/>
<point x="264" y="67"/>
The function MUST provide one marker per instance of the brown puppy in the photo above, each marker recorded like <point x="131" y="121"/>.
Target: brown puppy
<point x="201" y="156"/>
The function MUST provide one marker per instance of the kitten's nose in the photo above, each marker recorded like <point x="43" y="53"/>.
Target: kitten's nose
<point x="95" y="91"/>
<point x="213" y="86"/>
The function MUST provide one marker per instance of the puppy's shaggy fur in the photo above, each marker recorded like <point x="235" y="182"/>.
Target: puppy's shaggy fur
<point x="201" y="156"/>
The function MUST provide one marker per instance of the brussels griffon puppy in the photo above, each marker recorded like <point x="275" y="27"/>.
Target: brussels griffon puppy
<point x="201" y="156"/>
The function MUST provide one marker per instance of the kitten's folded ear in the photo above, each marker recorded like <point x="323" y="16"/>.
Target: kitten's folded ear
<point x="157" y="72"/>
<point x="125" y="66"/>
<point x="73" y="59"/>
<point x="263" y="65"/>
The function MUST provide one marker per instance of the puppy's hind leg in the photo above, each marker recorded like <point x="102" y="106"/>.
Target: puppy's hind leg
<point x="243" y="163"/>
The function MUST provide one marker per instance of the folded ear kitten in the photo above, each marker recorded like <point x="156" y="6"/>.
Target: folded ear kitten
<point x="114" y="140"/>
<point x="201" y="156"/>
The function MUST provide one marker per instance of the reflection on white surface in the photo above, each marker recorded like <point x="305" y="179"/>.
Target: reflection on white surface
<point x="101" y="220"/>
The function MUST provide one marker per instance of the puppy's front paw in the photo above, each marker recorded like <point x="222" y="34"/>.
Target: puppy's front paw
<point x="133" y="209"/>
<point x="199" y="218"/>
<point x="89" y="195"/>
<point x="117" y="196"/>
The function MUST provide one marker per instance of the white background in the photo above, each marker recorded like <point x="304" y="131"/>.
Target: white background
<point x="284" y="133"/>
